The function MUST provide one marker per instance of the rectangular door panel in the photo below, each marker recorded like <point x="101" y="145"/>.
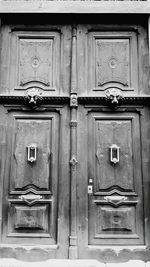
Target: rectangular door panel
<point x="109" y="132"/>
<point x="107" y="59"/>
<point x="112" y="61"/>
<point x="35" y="59"/>
<point x="30" y="221"/>
<point x="32" y="136"/>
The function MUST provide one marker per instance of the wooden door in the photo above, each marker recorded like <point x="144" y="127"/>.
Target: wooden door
<point x="36" y="140"/>
<point x="111" y="196"/>
<point x="74" y="140"/>
<point x="114" y="204"/>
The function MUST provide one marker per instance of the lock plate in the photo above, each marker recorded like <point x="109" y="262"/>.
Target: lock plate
<point x="90" y="189"/>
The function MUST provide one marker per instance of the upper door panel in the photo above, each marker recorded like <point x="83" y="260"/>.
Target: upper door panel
<point x="36" y="58"/>
<point x="109" y="60"/>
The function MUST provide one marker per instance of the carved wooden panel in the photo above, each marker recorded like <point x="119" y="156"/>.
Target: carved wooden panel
<point x="117" y="222"/>
<point x="115" y="205"/>
<point x="33" y="178"/>
<point x="29" y="221"/>
<point x="31" y="218"/>
<point x="111" y="59"/>
<point x="109" y="132"/>
<point x="37" y="60"/>
<point x="24" y="173"/>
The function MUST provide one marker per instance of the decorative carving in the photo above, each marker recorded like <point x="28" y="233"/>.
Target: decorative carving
<point x="99" y="154"/>
<point x="38" y="131"/>
<point x="116" y="190"/>
<point x="30" y="199"/>
<point x="73" y="123"/>
<point x="112" y="61"/>
<point x="125" y="99"/>
<point x="36" y="60"/>
<point x="33" y="219"/>
<point x="73" y="100"/>
<point x="114" y="95"/>
<point x="115" y="199"/>
<point x="107" y="129"/>
<point x="33" y="96"/>
<point x="120" y="219"/>
<point x="73" y="162"/>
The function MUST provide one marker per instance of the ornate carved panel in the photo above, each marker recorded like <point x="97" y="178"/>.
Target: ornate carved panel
<point x="37" y="60"/>
<point x="109" y="131"/>
<point x="24" y="172"/>
<point x="111" y="58"/>
<point x="24" y="220"/>
<point x="112" y="61"/>
<point x="120" y="221"/>
<point x="115" y="203"/>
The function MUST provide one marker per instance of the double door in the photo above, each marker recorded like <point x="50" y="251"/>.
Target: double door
<point x="74" y="146"/>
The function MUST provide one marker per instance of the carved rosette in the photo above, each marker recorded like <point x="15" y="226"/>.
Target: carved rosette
<point x="114" y="96"/>
<point x="33" y="97"/>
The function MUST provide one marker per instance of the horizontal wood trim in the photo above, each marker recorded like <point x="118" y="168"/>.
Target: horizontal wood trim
<point x="75" y="7"/>
<point x="13" y="99"/>
<point x="53" y="100"/>
<point x="133" y="100"/>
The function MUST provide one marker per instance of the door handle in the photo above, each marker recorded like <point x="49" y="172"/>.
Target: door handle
<point x="32" y="153"/>
<point x="114" y="153"/>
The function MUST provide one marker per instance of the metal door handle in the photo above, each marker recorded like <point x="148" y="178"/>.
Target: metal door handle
<point x="114" y="153"/>
<point x="32" y="153"/>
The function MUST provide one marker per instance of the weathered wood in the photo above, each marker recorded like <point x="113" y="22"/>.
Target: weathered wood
<point x="149" y="37"/>
<point x="110" y="225"/>
<point x="114" y="182"/>
<point x="49" y="206"/>
<point x="73" y="149"/>
<point x="36" y="160"/>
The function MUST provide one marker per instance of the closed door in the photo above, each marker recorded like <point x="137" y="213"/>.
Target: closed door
<point x="35" y="140"/>
<point x="111" y="177"/>
<point x="74" y="141"/>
